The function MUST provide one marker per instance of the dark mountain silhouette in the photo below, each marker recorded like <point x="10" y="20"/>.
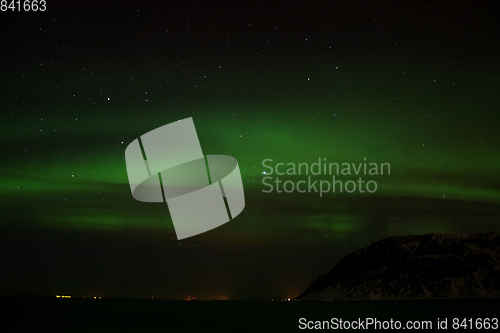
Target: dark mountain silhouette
<point x="431" y="266"/>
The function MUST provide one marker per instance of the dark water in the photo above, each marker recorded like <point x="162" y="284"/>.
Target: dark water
<point x="108" y="315"/>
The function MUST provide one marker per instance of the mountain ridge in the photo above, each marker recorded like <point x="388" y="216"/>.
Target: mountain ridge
<point x="430" y="266"/>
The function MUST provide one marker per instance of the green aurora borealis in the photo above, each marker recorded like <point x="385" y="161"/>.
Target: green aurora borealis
<point x="427" y="106"/>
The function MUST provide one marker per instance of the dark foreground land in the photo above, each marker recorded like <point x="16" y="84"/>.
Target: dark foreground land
<point x="112" y="315"/>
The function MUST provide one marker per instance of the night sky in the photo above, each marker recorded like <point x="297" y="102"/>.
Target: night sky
<point x="415" y="85"/>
